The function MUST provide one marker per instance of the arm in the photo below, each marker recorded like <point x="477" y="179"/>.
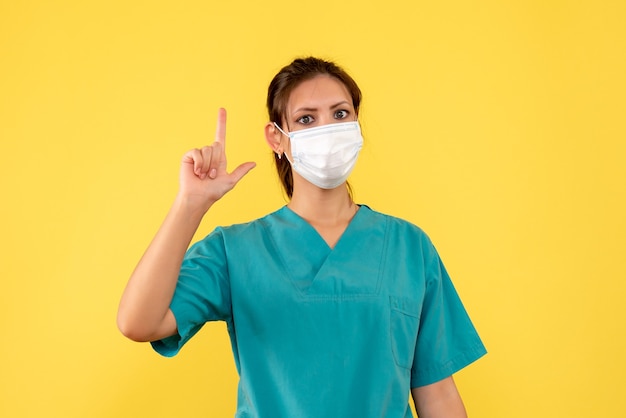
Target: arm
<point x="144" y="313"/>
<point x="438" y="400"/>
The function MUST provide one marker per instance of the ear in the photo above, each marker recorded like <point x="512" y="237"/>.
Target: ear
<point x="273" y="137"/>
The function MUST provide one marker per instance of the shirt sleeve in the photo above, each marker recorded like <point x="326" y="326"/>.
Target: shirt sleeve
<point x="202" y="292"/>
<point x="447" y="340"/>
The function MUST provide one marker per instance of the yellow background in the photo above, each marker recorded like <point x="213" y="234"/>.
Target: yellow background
<point x="497" y="126"/>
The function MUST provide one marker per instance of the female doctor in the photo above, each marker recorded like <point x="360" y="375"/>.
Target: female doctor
<point x="333" y="309"/>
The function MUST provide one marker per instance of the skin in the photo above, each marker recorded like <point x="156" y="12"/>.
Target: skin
<point x="319" y="101"/>
<point x="144" y="313"/>
<point x="439" y="400"/>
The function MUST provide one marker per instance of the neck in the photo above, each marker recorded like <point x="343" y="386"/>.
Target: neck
<point x="323" y="207"/>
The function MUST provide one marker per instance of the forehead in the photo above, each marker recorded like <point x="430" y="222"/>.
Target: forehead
<point x="319" y="91"/>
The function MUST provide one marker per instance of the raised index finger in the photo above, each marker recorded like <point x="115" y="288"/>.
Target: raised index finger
<point x="220" y="130"/>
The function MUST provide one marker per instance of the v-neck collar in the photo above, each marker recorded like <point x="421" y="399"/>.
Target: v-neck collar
<point x="308" y="224"/>
<point x="352" y="266"/>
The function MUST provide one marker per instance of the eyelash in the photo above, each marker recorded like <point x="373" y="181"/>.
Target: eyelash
<point x="345" y="113"/>
<point x="342" y="111"/>
<point x="300" y="119"/>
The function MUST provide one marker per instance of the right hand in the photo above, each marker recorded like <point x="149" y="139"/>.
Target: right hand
<point x="203" y="176"/>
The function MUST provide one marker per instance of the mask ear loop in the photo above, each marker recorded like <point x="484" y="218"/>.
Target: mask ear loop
<point x="283" y="132"/>
<point x="288" y="136"/>
<point x="280" y="155"/>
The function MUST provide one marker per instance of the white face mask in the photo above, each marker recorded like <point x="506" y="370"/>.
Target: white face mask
<point x="325" y="155"/>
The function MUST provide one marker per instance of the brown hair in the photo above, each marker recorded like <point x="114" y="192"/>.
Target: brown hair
<point x="283" y="83"/>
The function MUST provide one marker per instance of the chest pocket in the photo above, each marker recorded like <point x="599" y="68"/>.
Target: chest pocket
<point x="404" y="323"/>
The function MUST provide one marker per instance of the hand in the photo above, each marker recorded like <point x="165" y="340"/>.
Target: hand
<point x="203" y="176"/>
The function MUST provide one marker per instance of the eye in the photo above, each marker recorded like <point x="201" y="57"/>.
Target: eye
<point x="341" y="114"/>
<point x="305" y="120"/>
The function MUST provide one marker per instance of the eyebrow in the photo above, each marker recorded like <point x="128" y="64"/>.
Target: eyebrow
<point x="312" y="109"/>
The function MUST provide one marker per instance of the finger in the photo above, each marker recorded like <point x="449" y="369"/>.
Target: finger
<point x="217" y="163"/>
<point x="193" y="157"/>
<point x="220" y="130"/>
<point x="207" y="153"/>
<point x="241" y="171"/>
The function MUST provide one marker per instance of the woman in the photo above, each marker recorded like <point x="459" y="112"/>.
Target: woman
<point x="333" y="309"/>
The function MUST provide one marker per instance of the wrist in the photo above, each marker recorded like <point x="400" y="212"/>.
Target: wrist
<point x="192" y="208"/>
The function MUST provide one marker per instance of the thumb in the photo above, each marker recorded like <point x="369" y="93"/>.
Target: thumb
<point x="241" y="171"/>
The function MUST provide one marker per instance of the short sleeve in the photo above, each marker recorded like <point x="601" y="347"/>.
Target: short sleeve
<point x="202" y="292"/>
<point x="447" y="340"/>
